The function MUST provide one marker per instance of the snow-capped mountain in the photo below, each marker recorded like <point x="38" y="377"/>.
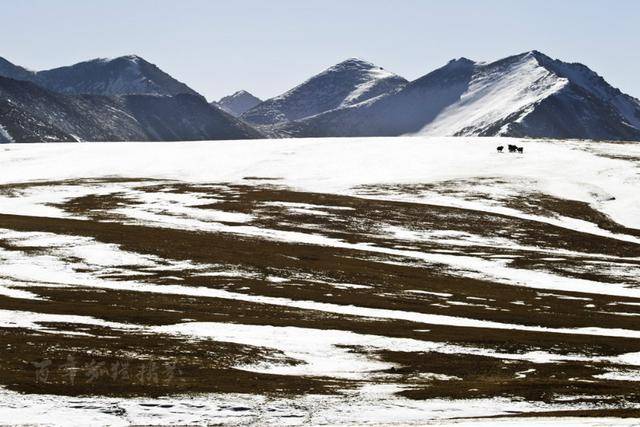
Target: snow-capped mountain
<point x="523" y="95"/>
<point x="237" y="103"/>
<point x="345" y="84"/>
<point x="30" y="113"/>
<point x="119" y="76"/>
<point x="532" y="95"/>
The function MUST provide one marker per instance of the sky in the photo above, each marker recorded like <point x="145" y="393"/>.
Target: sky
<point x="269" y="46"/>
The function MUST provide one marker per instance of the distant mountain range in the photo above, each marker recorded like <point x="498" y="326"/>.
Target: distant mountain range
<point x="30" y="113"/>
<point x="121" y="99"/>
<point x="526" y="95"/>
<point x="128" y="98"/>
<point x="119" y="76"/>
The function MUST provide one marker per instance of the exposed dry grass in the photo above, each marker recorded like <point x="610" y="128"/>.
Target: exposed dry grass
<point x="312" y="272"/>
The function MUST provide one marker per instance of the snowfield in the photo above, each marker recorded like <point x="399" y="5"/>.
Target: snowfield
<point x="377" y="281"/>
<point x="594" y="172"/>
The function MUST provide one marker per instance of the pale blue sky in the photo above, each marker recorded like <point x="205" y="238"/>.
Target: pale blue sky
<point x="269" y="46"/>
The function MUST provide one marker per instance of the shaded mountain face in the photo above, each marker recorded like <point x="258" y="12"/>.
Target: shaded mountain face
<point x="586" y="107"/>
<point x="30" y="113"/>
<point x="8" y="69"/>
<point x="120" y="76"/>
<point x="238" y="103"/>
<point x="342" y="85"/>
<point x="527" y="95"/>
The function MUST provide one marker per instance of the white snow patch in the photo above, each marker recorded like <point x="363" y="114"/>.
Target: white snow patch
<point x="31" y="320"/>
<point x="438" y="294"/>
<point x="619" y="375"/>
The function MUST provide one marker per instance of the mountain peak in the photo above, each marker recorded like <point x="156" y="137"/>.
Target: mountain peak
<point x="109" y="60"/>
<point x="353" y="65"/>
<point x="461" y="61"/>
<point x="354" y="62"/>
<point x="124" y="59"/>
<point x="347" y="83"/>
<point x="238" y="93"/>
<point x="528" y="94"/>
<point x="540" y="57"/>
<point x="132" y="57"/>
<point x="536" y="53"/>
<point x="237" y="103"/>
<point x="123" y="75"/>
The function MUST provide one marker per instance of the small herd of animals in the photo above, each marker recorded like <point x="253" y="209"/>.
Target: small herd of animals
<point x="512" y="148"/>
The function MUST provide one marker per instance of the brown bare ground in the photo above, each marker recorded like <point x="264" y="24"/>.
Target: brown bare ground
<point x="315" y="273"/>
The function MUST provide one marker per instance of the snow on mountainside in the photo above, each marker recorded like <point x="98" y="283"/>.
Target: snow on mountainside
<point x="526" y="95"/>
<point x="516" y="96"/>
<point x="119" y="76"/>
<point x="586" y="107"/>
<point x="499" y="91"/>
<point x="404" y="111"/>
<point x="237" y="103"/>
<point x="347" y="83"/>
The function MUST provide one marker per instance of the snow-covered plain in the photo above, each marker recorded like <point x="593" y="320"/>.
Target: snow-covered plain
<point x="606" y="176"/>
<point x="575" y="170"/>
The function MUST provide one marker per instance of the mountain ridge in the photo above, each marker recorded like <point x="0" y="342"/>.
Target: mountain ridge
<point x="31" y="113"/>
<point x="123" y="75"/>
<point x="522" y="95"/>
